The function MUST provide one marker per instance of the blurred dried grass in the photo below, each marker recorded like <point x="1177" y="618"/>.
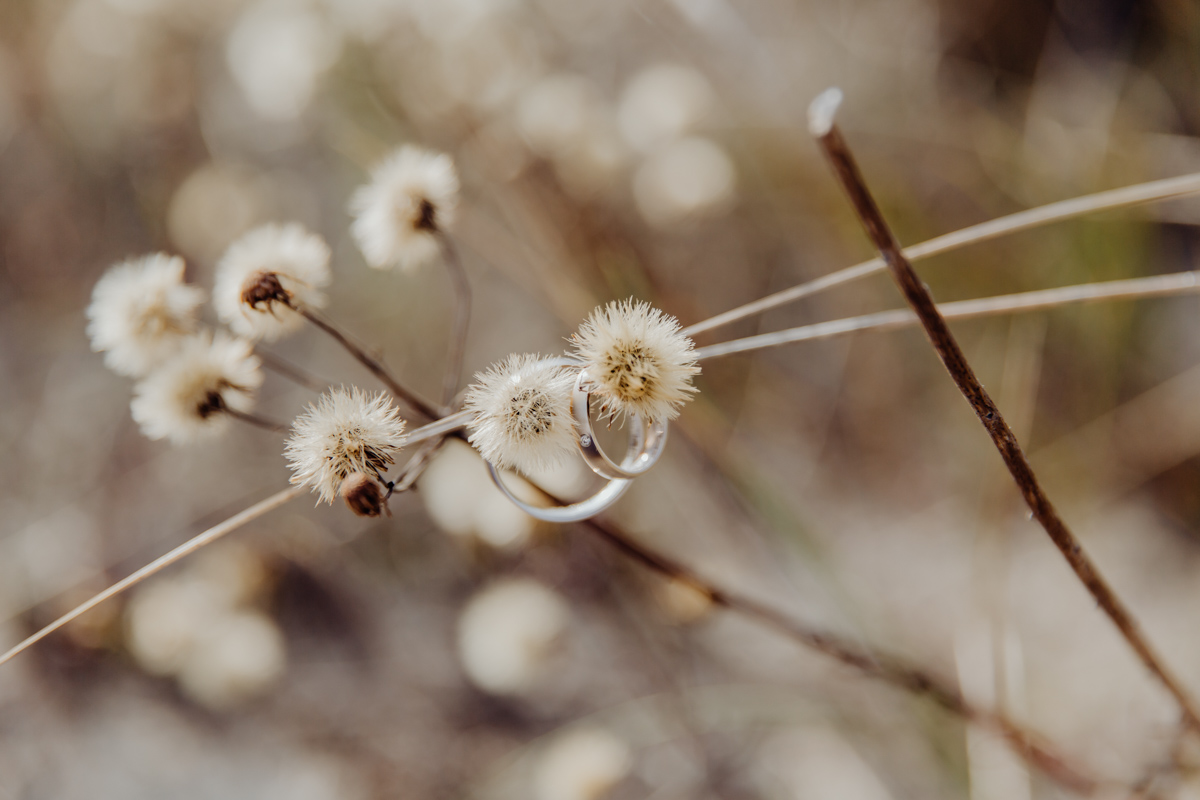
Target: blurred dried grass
<point x="608" y="149"/>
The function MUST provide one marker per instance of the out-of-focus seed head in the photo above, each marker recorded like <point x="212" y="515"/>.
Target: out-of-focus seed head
<point x="263" y="273"/>
<point x="141" y="312"/>
<point x="413" y="195"/>
<point x="187" y="397"/>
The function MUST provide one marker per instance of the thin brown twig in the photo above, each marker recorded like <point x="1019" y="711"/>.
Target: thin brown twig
<point x="462" y="320"/>
<point x="255" y="420"/>
<point x="919" y="298"/>
<point x="287" y="369"/>
<point x="887" y="669"/>
<point x="373" y="364"/>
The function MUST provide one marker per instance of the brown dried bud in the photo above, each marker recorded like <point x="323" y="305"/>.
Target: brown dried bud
<point x="266" y="288"/>
<point x="363" y="495"/>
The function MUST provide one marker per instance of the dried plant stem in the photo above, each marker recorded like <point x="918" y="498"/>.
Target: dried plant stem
<point x="1167" y="189"/>
<point x="287" y="369"/>
<point x="440" y="427"/>
<point x="416" y="465"/>
<point x="894" y="672"/>
<point x="888" y="670"/>
<point x="918" y="297"/>
<point x="367" y="360"/>
<point x="187" y="548"/>
<point x="255" y="420"/>
<point x="462" y="320"/>
<point x="1154" y="286"/>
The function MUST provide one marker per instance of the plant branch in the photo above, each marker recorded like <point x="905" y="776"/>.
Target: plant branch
<point x="373" y="364"/>
<point x="1154" y="286"/>
<point x="821" y="120"/>
<point x="255" y="420"/>
<point x="1153" y="191"/>
<point x="462" y="320"/>
<point x="187" y="548"/>
<point x="894" y="672"/>
<point x="290" y="371"/>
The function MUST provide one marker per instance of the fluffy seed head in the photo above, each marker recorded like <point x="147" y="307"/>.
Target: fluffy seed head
<point x="412" y="195"/>
<point x="185" y="399"/>
<point x="638" y="360"/>
<point x="264" y="269"/>
<point x="522" y="413"/>
<point x="141" y="311"/>
<point x="345" y="432"/>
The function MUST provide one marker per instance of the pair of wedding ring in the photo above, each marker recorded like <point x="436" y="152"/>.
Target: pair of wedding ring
<point x="645" y="447"/>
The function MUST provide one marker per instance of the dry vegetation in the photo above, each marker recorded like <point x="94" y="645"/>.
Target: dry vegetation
<point x="607" y="150"/>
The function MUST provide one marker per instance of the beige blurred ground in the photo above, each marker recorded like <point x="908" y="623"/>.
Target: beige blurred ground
<point x="607" y="148"/>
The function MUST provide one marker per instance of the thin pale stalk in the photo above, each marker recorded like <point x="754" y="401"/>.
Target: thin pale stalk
<point x="186" y="549"/>
<point x="462" y="321"/>
<point x="1153" y="191"/>
<point x="440" y="427"/>
<point x="919" y="298"/>
<point x="1132" y="288"/>
<point x="373" y="364"/>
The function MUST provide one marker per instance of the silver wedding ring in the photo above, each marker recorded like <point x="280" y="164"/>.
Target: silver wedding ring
<point x="574" y="512"/>
<point x="646" y="440"/>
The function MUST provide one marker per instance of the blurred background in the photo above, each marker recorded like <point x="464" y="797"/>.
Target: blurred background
<point x="608" y="148"/>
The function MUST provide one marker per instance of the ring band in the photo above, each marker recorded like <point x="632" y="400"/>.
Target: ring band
<point x="570" y="513"/>
<point x="646" y="440"/>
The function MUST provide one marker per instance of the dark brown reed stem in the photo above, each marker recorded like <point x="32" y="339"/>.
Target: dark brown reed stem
<point x="462" y="320"/>
<point x="367" y="360"/>
<point x="887" y="669"/>
<point x="919" y="298"/>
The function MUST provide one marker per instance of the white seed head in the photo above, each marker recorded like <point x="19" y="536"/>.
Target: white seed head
<point x="261" y="271"/>
<point x="141" y="310"/>
<point x="522" y="413"/>
<point x="507" y="632"/>
<point x="185" y="399"/>
<point x="345" y="432"/>
<point x="412" y="195"/>
<point x="638" y="360"/>
<point x="582" y="764"/>
<point x="239" y="655"/>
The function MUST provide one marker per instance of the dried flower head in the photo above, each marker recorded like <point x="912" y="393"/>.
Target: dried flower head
<point x="263" y="272"/>
<point x="345" y="432"/>
<point x="521" y="413"/>
<point x="638" y="360"/>
<point x="363" y="495"/>
<point x="186" y="399"/>
<point x="412" y="195"/>
<point x="141" y="311"/>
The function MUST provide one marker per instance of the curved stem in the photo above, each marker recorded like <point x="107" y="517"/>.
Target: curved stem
<point x="1153" y="191"/>
<point x="373" y="364"/>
